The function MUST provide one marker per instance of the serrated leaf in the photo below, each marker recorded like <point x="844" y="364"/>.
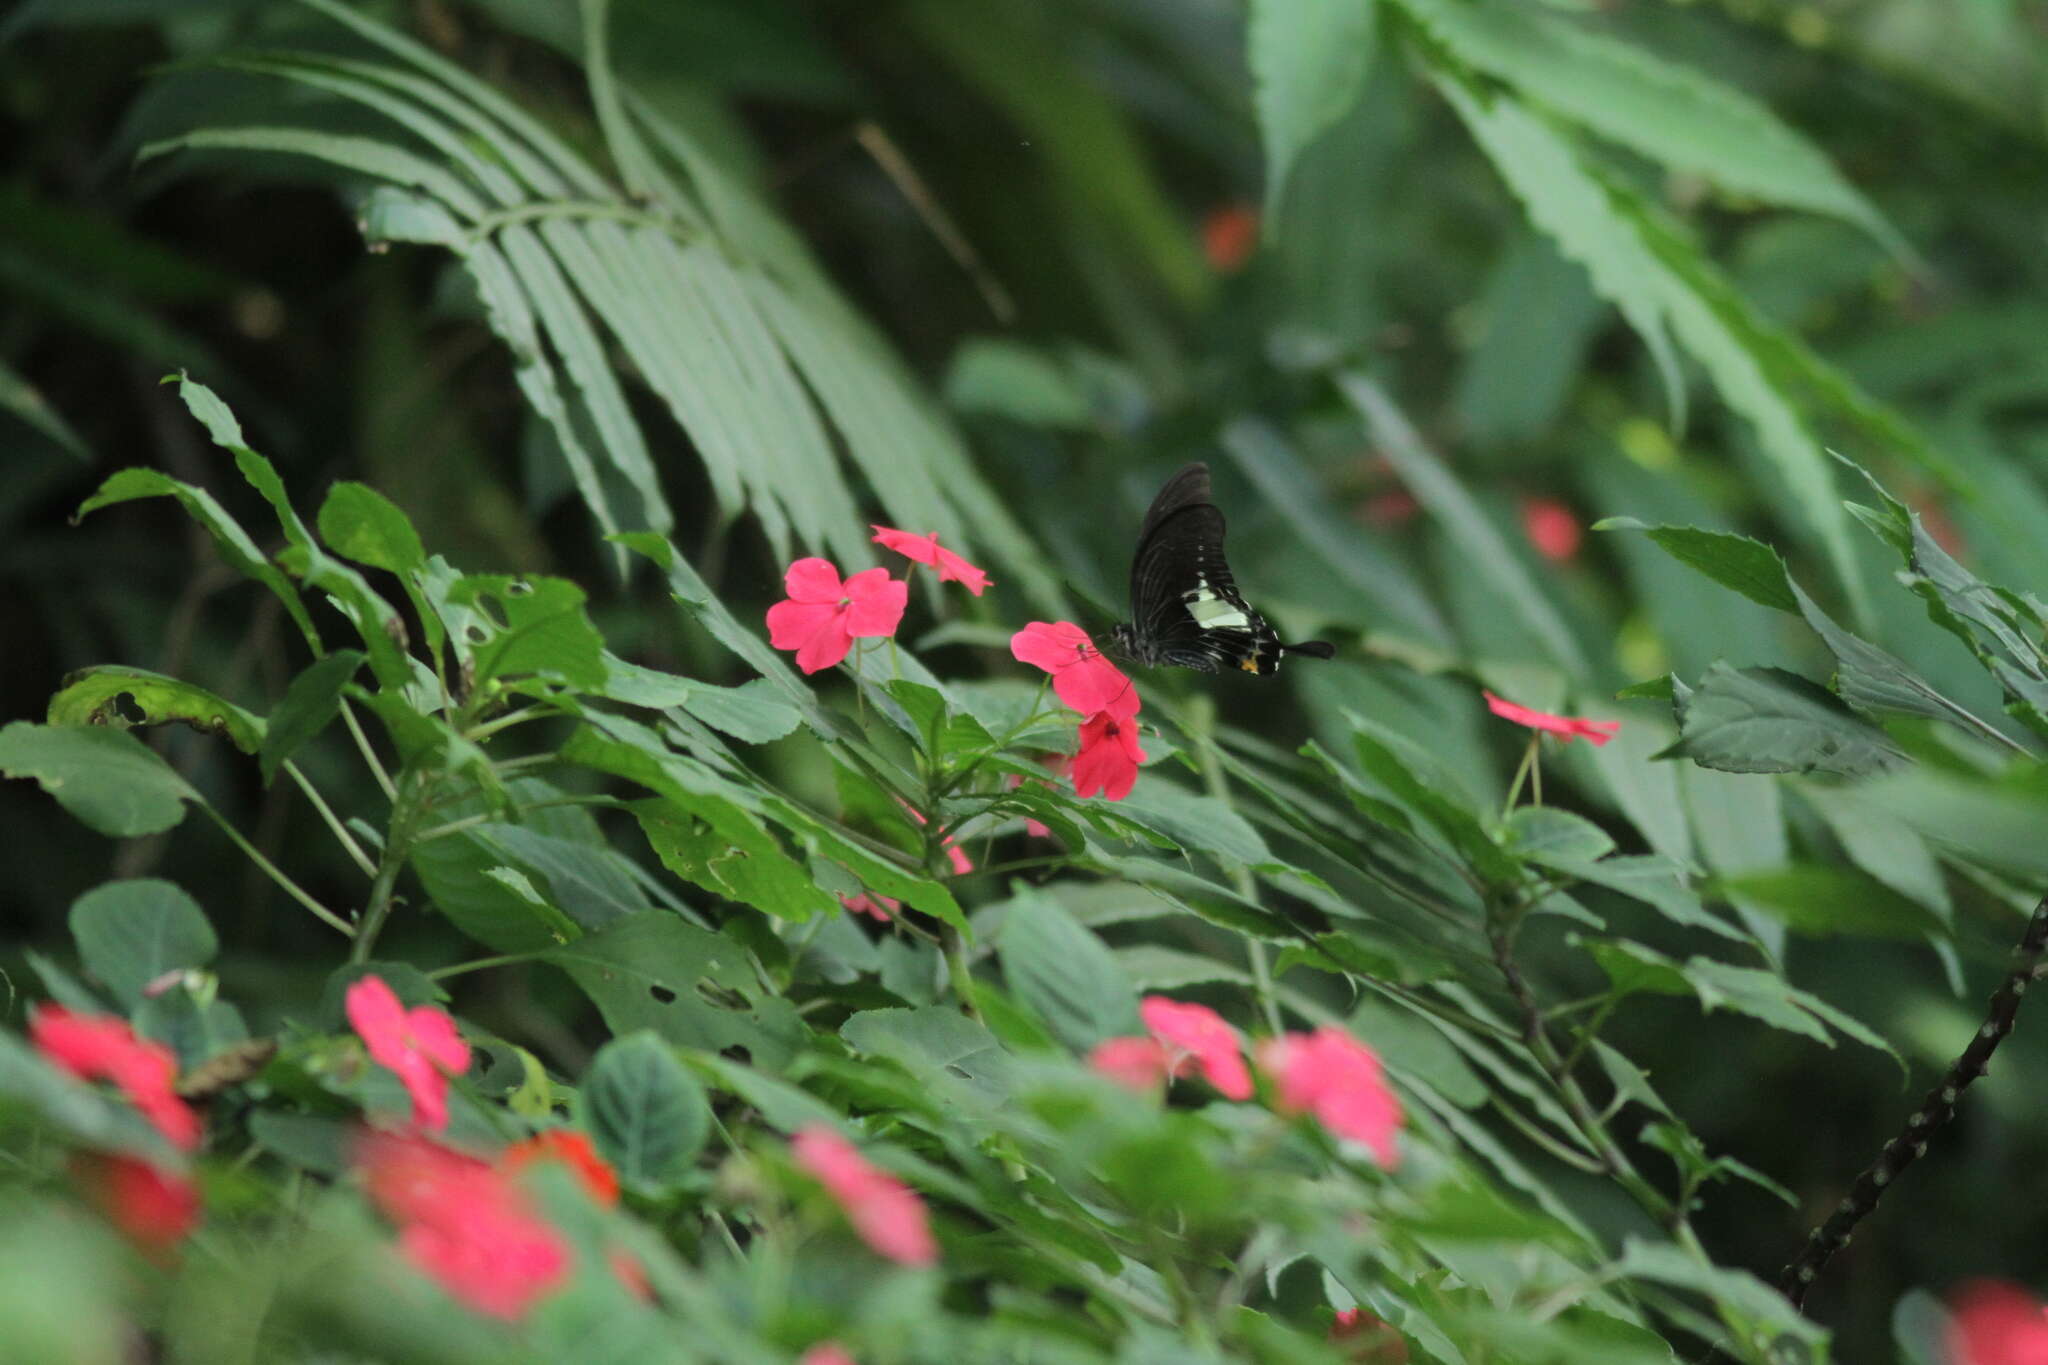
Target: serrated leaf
<point x="93" y="696"/>
<point x="1765" y="720"/>
<point x="108" y="779"/>
<point x="129" y="933"/>
<point x="647" y="1113"/>
<point x="1750" y="567"/>
<point x="951" y="1053"/>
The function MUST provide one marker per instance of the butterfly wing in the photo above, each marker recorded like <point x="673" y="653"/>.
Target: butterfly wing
<point x="1185" y="606"/>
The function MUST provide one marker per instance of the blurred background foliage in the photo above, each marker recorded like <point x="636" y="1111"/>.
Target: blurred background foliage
<point x="994" y="269"/>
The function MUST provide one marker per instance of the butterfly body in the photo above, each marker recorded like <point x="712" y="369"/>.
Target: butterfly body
<point x="1186" y="610"/>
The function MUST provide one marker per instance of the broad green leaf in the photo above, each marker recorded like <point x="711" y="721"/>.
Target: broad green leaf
<point x="1765" y="720"/>
<point x="538" y="627"/>
<point x="1761" y="1312"/>
<point x="109" y="779"/>
<point x="1750" y="567"/>
<point x="362" y="524"/>
<point x="1546" y="831"/>
<point x="1309" y="60"/>
<point x="96" y="696"/>
<point x="1675" y="115"/>
<point x="193" y="1023"/>
<point x="1763" y="996"/>
<point x="1821" y="901"/>
<point x="1876" y="680"/>
<point x="751" y="712"/>
<point x="1001" y="377"/>
<point x="310" y="703"/>
<point x="1065" y="973"/>
<point x="1649" y="878"/>
<point x="1409" y="1042"/>
<point x="647" y="1113"/>
<point x="645" y="972"/>
<point x="129" y="933"/>
<point x="1885" y="847"/>
<point x="949" y="1052"/>
<point x="1421" y="786"/>
<point x="1194" y="823"/>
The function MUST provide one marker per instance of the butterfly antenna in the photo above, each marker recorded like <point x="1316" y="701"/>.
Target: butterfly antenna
<point x="1314" y="649"/>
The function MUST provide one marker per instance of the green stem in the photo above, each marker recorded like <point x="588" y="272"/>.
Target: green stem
<point x="506" y="722"/>
<point x="956" y="967"/>
<point x="482" y="963"/>
<point x="355" y="728"/>
<point x="472" y="821"/>
<point x="1521" y="774"/>
<point x="348" y="841"/>
<point x="406" y="812"/>
<point x="276" y="874"/>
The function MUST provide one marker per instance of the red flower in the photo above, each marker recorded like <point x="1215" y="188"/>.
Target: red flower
<point x="823" y="616"/>
<point x="1552" y="528"/>
<point x="1139" y="1064"/>
<point x="153" y="1208"/>
<point x="870" y="903"/>
<point x="1336" y="1077"/>
<point x="826" y="1353"/>
<point x="464" y="1222"/>
<point x="1230" y="234"/>
<point x="1373" y="1341"/>
<point x="925" y="549"/>
<point x="1992" y="1323"/>
<point x="571" y="1149"/>
<point x="1109" y="757"/>
<point x="1597" y="732"/>
<point x="886" y="1213"/>
<point x="97" y="1047"/>
<point x="420" y="1044"/>
<point x="1081" y="677"/>
<point x="1188" y="1030"/>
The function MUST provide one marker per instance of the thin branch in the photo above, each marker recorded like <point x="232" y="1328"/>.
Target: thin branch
<point x="1928" y="1117"/>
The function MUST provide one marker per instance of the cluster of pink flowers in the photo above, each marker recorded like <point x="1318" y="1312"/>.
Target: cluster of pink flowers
<point x="886" y="1213"/>
<point x="1327" y="1073"/>
<point x="1108" y="758"/>
<point x="155" y="1206"/>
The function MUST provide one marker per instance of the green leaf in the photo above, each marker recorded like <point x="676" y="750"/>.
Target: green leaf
<point x="645" y="971"/>
<point x="957" y="1058"/>
<point x="539" y="627"/>
<point x="1193" y="822"/>
<point x="1623" y="91"/>
<point x="1309" y="59"/>
<point x="129" y="933"/>
<point x="359" y="523"/>
<point x="1876" y="680"/>
<point x="1058" y="968"/>
<point x="1001" y="377"/>
<point x="646" y="1112"/>
<point x="95" y="696"/>
<point x="311" y="701"/>
<point x="1750" y="567"/>
<point x="108" y="779"/>
<point x="1765" y="720"/>
<point x="1546" y="831"/>
<point x="1821" y="901"/>
<point x="73" y="1108"/>
<point x="751" y="712"/>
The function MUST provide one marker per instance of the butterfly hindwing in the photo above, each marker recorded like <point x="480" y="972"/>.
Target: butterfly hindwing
<point x="1185" y="606"/>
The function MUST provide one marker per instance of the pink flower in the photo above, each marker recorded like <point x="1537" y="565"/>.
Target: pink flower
<point x="1993" y="1323"/>
<point x="1188" y="1030"/>
<point x="1551" y="528"/>
<point x="925" y="549"/>
<point x="1230" y="234"/>
<point x="1081" y="677"/>
<point x="823" y="616"/>
<point x="420" y="1044"/>
<point x="153" y="1208"/>
<point x="95" y="1047"/>
<point x="870" y="903"/>
<point x="1109" y="757"/>
<point x="465" y="1223"/>
<point x="1597" y="732"/>
<point x="826" y="1353"/>
<point x="886" y="1213"/>
<point x="1370" y="1339"/>
<point x="1338" y="1079"/>
<point x="1139" y="1064"/>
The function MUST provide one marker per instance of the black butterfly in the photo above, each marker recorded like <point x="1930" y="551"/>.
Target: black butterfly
<point x="1185" y="609"/>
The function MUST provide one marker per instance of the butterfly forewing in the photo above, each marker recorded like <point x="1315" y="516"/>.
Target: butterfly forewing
<point x="1185" y="607"/>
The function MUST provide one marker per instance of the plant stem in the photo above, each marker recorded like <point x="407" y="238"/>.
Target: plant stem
<point x="276" y="874"/>
<point x="376" y="765"/>
<point x="406" y="812"/>
<point x="481" y="963"/>
<point x="957" y="969"/>
<point x="1521" y="774"/>
<point x="1933" y="1112"/>
<point x="348" y="841"/>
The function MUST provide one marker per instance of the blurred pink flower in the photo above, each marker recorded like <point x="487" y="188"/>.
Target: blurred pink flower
<point x="152" y="1207"/>
<point x="1191" y="1030"/>
<point x="822" y="616"/>
<point x="1552" y="528"/>
<point x="1081" y="677"/>
<point x="464" y="1222"/>
<point x="869" y="903"/>
<point x="886" y="1213"/>
<point x="420" y="1044"/>
<point x="1338" y="1079"/>
<point x="826" y="1353"/>
<point x="925" y="549"/>
<point x="1230" y="234"/>
<point x="1134" y="1063"/>
<point x="1994" y="1323"/>
<point x="1109" y="757"/>
<point x="102" y="1047"/>
<point x="1596" y="732"/>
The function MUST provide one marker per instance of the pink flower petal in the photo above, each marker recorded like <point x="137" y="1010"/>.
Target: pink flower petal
<point x="921" y="549"/>
<point x="814" y="581"/>
<point x="791" y="624"/>
<point x="418" y="1046"/>
<point x="1338" y="1079"/>
<point x="1139" y="1064"/>
<point x="886" y="1213"/>
<point x="1551" y="528"/>
<point x="957" y="856"/>
<point x="1597" y="732"/>
<point x="1203" y="1034"/>
<point x="826" y="646"/>
<point x="1108" y="758"/>
<point x="104" y="1047"/>
<point x="878" y="603"/>
<point x="1993" y="1323"/>
<point x="1050" y="645"/>
<point x="826" y="1353"/>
